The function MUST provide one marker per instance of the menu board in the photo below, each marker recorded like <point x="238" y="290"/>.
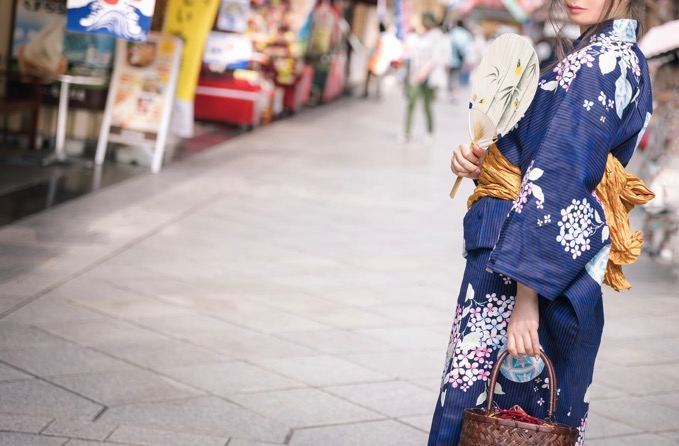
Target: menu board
<point x="141" y="94"/>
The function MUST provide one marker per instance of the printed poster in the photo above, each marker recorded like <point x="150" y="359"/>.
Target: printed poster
<point x="227" y="51"/>
<point x="123" y="19"/>
<point x="142" y="91"/>
<point x="41" y="43"/>
<point x="233" y="16"/>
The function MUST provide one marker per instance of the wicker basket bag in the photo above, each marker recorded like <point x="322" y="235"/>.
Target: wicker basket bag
<point x="481" y="428"/>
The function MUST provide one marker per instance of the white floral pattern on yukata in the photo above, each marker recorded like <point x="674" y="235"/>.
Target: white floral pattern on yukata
<point x="485" y="332"/>
<point x="609" y="49"/>
<point x="528" y="188"/>
<point x="576" y="227"/>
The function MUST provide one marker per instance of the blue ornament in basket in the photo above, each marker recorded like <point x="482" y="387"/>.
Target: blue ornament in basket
<point x="521" y="369"/>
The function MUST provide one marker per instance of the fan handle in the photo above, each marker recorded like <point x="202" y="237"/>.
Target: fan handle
<point x="481" y="130"/>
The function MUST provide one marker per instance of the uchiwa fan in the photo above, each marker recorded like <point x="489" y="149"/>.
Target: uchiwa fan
<point x="503" y="87"/>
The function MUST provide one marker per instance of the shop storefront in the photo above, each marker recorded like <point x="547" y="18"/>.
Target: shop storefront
<point x="250" y="62"/>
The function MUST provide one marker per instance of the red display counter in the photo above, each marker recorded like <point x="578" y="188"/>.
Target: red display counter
<point x="229" y="100"/>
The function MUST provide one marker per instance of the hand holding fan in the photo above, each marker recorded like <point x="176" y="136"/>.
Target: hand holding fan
<point x="503" y="87"/>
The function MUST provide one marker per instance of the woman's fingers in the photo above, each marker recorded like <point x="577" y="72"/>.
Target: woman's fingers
<point x="535" y="339"/>
<point x="511" y="346"/>
<point x="462" y="167"/>
<point x="528" y="344"/>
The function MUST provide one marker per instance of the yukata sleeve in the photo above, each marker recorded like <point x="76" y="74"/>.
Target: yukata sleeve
<point x="557" y="225"/>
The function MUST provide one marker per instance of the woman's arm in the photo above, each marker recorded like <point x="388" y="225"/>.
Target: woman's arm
<point x="522" y="330"/>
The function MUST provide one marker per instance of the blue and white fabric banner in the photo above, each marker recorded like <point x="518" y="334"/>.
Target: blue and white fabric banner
<point x="124" y="19"/>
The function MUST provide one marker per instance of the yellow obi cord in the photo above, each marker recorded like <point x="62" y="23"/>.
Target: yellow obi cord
<point x="499" y="178"/>
<point x="618" y="191"/>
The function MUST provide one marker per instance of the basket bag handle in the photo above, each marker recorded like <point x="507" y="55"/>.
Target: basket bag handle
<point x="551" y="407"/>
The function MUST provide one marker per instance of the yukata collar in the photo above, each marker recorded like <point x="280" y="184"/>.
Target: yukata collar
<point x="624" y="30"/>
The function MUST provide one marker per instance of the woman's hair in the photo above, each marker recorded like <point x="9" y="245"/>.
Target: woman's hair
<point x="636" y="9"/>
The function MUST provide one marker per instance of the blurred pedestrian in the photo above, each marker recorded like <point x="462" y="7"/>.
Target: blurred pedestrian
<point x="427" y="58"/>
<point x="542" y="224"/>
<point x="460" y="43"/>
<point x="387" y="50"/>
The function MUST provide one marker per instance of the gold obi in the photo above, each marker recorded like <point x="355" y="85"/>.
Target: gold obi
<point x="618" y="191"/>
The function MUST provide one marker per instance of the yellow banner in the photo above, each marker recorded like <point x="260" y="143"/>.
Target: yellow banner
<point x="192" y="22"/>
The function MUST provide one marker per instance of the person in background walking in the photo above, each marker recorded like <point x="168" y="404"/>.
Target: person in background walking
<point x="427" y="59"/>
<point x="387" y="50"/>
<point x="460" y="43"/>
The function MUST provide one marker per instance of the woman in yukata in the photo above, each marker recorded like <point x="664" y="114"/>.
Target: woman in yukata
<point x="536" y="258"/>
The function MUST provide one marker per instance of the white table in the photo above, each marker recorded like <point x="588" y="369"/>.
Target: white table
<point x="66" y="80"/>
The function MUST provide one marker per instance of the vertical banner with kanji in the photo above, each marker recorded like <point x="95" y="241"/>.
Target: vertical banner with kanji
<point x="190" y="20"/>
<point x="124" y="19"/>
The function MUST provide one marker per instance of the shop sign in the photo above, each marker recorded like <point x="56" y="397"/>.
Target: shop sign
<point x="141" y="95"/>
<point x="226" y="52"/>
<point x="233" y="16"/>
<point x="123" y="19"/>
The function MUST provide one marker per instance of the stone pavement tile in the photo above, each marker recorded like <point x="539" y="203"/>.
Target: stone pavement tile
<point x="351" y="318"/>
<point x="627" y="379"/>
<point x="637" y="413"/>
<point x="23" y="423"/>
<point x="16" y="439"/>
<point x="672" y="436"/>
<point x="46" y="311"/>
<point x="60" y="358"/>
<point x="417" y="314"/>
<point x="125" y="387"/>
<point x="17" y="335"/>
<point x="40" y="398"/>
<point x="155" y="437"/>
<point x="240" y="344"/>
<point x="394" y="399"/>
<point x="419" y="339"/>
<point x="631" y="328"/>
<point x="631" y="353"/>
<point x="421" y="422"/>
<point x="240" y="442"/>
<point x="31" y="283"/>
<point x="378" y="433"/>
<point x="207" y="416"/>
<point x="104" y="332"/>
<point x="601" y="427"/>
<point x="185" y="325"/>
<point x="8" y="373"/>
<point x="80" y="428"/>
<point x="321" y="370"/>
<point x="403" y="365"/>
<point x="75" y="442"/>
<point x="337" y="342"/>
<point x="304" y="407"/>
<point x="162" y="353"/>
<point x="8" y="302"/>
<point x="632" y="440"/>
<point x="267" y="319"/>
<point x="131" y="306"/>
<point x="601" y="391"/>
<point x="230" y="377"/>
<point x="669" y="399"/>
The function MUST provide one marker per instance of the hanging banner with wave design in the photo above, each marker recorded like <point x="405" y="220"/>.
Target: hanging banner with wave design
<point x="124" y="19"/>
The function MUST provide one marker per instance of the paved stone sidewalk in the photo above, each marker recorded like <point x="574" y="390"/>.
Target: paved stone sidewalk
<point x="293" y="286"/>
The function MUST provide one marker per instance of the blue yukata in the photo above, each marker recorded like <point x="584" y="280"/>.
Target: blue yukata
<point x="553" y="238"/>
